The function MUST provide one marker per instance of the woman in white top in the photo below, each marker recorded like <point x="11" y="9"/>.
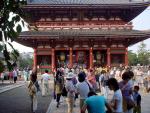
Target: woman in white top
<point x="71" y="92"/>
<point x="116" y="102"/>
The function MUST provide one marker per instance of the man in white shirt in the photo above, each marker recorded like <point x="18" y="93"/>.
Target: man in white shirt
<point x="45" y="83"/>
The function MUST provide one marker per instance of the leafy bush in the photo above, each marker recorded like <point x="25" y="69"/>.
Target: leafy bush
<point x="2" y="67"/>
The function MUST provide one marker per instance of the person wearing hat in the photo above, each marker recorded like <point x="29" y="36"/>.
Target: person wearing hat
<point x="71" y="92"/>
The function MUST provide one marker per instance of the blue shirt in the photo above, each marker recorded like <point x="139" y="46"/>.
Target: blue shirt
<point x="96" y="104"/>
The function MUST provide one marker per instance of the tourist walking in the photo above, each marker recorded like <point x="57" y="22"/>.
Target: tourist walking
<point x="91" y="79"/>
<point x="137" y="100"/>
<point x="33" y="90"/>
<point x="145" y="84"/>
<point x="95" y="104"/>
<point x="15" y="75"/>
<point x="45" y="84"/>
<point x="116" y="102"/>
<point x="25" y="75"/>
<point x="126" y="86"/>
<point x="148" y="71"/>
<point x="11" y="76"/>
<point x="103" y="80"/>
<point x="58" y="86"/>
<point x="75" y="81"/>
<point x="97" y="75"/>
<point x="2" y="76"/>
<point x="82" y="88"/>
<point x="71" y="92"/>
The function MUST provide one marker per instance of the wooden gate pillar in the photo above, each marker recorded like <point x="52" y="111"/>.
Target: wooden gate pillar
<point x="91" y="57"/>
<point x="108" y="57"/>
<point x="35" y="59"/>
<point x="53" y="59"/>
<point x="126" y="56"/>
<point x="70" y="58"/>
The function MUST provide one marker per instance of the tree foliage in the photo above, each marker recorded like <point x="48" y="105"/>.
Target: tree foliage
<point x="143" y="54"/>
<point x="7" y="27"/>
<point x="2" y="67"/>
<point x="132" y="57"/>
<point x="25" y="62"/>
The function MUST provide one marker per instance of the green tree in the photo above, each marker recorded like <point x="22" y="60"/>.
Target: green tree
<point x="143" y="54"/>
<point x="25" y="62"/>
<point x="2" y="67"/>
<point x="10" y="28"/>
<point x="132" y="57"/>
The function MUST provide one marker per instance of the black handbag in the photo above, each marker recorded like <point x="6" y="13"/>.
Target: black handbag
<point x="130" y="104"/>
<point x="64" y="92"/>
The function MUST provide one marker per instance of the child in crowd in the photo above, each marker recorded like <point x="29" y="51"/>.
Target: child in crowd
<point x="137" y="99"/>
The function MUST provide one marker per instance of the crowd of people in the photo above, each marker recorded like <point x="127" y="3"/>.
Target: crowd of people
<point x="12" y="76"/>
<point x="92" y="87"/>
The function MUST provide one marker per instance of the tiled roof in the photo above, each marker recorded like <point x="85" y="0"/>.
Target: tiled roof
<point x="82" y="2"/>
<point x="84" y="33"/>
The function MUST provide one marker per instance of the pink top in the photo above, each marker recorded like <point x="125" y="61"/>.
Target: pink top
<point x="11" y="74"/>
<point x="91" y="79"/>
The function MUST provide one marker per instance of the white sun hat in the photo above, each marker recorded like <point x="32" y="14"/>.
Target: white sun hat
<point x="70" y="75"/>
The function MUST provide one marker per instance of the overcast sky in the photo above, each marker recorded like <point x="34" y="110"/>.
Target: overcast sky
<point x="141" y="22"/>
